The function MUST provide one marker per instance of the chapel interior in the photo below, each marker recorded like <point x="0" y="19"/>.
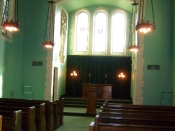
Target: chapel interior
<point x="71" y="48"/>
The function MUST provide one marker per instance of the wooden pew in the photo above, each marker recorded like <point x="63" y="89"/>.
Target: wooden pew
<point x="130" y="124"/>
<point x="0" y="122"/>
<point x="137" y="115"/>
<point x="10" y="120"/>
<point x="134" y="119"/>
<point x="92" y="126"/>
<point x="49" y="112"/>
<point x="40" y="120"/>
<point x="140" y="107"/>
<point x="28" y="116"/>
<point x="62" y="110"/>
<point x="136" y="111"/>
<point x="137" y="121"/>
<point x="58" y="113"/>
<point x="129" y="127"/>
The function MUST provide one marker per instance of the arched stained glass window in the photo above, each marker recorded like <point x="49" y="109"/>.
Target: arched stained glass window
<point x="100" y="31"/>
<point x="118" y="31"/>
<point x="82" y="30"/>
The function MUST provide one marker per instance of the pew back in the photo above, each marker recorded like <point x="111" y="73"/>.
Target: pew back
<point x="28" y="116"/>
<point x="122" y="117"/>
<point x="40" y="120"/>
<point x="0" y="122"/>
<point x="49" y="113"/>
<point x="10" y="120"/>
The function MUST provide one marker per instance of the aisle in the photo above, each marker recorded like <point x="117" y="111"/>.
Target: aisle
<point x="75" y="123"/>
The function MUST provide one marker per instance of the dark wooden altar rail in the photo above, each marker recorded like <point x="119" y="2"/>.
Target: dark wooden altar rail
<point x="11" y="120"/>
<point x="28" y="116"/>
<point x="40" y="120"/>
<point x="53" y="113"/>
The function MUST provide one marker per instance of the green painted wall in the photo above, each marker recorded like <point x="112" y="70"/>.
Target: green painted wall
<point x="16" y="58"/>
<point x="34" y="28"/>
<point x="173" y="34"/>
<point x="158" y="51"/>
<point x="10" y="62"/>
<point x="2" y="50"/>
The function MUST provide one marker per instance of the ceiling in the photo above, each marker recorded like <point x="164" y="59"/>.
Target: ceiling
<point x="71" y="5"/>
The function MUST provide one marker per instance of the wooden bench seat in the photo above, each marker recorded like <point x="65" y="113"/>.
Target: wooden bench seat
<point x="136" y="121"/>
<point x="0" y="122"/>
<point x="40" y="120"/>
<point x="137" y="115"/>
<point x="129" y="127"/>
<point x="140" y="107"/>
<point x="133" y="121"/>
<point x="113" y="117"/>
<point x="11" y="120"/>
<point x="53" y="111"/>
<point x="135" y="111"/>
<point x="58" y="113"/>
<point x="28" y="116"/>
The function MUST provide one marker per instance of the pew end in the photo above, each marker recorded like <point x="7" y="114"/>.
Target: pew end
<point x="0" y="122"/>
<point x="11" y="120"/>
<point x="92" y="126"/>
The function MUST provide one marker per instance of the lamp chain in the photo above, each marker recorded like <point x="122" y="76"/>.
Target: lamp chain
<point x="130" y="28"/>
<point x="142" y="8"/>
<point x="46" y="24"/>
<point x="139" y="12"/>
<point x="52" y="22"/>
<point x="153" y="14"/>
<point x="16" y="10"/>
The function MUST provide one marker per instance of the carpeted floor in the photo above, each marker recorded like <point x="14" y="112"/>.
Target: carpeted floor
<point x="77" y="110"/>
<point x="75" y="123"/>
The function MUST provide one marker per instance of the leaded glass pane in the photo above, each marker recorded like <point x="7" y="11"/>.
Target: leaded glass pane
<point x="118" y="32"/>
<point x="100" y="32"/>
<point x="82" y="32"/>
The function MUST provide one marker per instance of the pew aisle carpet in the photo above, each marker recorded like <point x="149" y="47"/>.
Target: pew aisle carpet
<point x="76" y="119"/>
<point x="73" y="111"/>
<point x="77" y="110"/>
<point x="76" y="123"/>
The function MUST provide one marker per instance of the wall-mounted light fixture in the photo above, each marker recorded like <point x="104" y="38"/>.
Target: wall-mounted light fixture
<point x="13" y="24"/>
<point x="49" y="39"/>
<point x="74" y="73"/>
<point x="142" y="25"/>
<point x="121" y="75"/>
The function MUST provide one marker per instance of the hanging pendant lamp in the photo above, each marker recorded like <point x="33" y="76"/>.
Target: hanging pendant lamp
<point x="49" y="29"/>
<point x="142" y="25"/>
<point x="133" y="37"/>
<point x="12" y="25"/>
